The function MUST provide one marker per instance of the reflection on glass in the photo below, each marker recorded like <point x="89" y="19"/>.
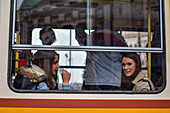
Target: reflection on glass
<point x="91" y="23"/>
<point x="111" y="22"/>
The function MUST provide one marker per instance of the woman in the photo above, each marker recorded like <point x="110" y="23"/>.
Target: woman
<point x="133" y="78"/>
<point x="48" y="61"/>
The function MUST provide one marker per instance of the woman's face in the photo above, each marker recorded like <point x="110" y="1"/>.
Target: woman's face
<point x="128" y="66"/>
<point x="55" y="65"/>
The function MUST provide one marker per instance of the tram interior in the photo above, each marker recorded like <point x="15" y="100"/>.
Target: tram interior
<point x="137" y="21"/>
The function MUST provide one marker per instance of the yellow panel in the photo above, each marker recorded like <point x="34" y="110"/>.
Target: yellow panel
<point x="81" y="110"/>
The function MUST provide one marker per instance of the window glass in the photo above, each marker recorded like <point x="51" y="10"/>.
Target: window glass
<point x="91" y="70"/>
<point x="97" y="23"/>
<point x="88" y="45"/>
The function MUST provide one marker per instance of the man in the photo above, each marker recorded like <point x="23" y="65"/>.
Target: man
<point x="103" y="69"/>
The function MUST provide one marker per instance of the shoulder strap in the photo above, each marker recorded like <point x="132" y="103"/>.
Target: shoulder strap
<point x="148" y="83"/>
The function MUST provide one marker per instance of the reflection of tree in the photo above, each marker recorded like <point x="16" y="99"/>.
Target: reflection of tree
<point x="66" y="55"/>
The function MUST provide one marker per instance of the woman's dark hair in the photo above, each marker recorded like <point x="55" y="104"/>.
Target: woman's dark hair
<point x="45" y="60"/>
<point x="126" y="82"/>
<point x="47" y="29"/>
<point x="135" y="57"/>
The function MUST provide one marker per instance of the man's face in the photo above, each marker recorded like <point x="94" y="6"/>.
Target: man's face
<point x="55" y="66"/>
<point x="46" y="38"/>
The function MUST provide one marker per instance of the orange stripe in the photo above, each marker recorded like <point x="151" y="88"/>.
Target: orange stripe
<point x="81" y="110"/>
<point x="73" y="103"/>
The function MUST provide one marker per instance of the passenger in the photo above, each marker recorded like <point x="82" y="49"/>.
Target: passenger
<point x="47" y="35"/>
<point x="16" y="63"/>
<point x="48" y="61"/>
<point x="45" y="63"/>
<point x="43" y="60"/>
<point x="43" y="73"/>
<point x="103" y="69"/>
<point x="133" y="78"/>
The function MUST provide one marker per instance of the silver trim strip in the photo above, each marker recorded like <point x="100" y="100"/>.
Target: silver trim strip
<point x="14" y="17"/>
<point x="86" y="48"/>
<point x="161" y="23"/>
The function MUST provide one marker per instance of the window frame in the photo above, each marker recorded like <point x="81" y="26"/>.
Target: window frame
<point x="13" y="46"/>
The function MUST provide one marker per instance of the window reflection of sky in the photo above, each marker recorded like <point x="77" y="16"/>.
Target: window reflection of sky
<point x="73" y="58"/>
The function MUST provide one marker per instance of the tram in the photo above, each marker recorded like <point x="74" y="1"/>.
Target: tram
<point x="141" y="26"/>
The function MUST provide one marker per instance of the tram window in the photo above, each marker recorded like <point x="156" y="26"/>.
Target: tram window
<point x="91" y="38"/>
<point x="84" y="68"/>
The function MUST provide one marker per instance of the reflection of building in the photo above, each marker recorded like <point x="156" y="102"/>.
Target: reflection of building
<point x="137" y="39"/>
<point x="63" y="14"/>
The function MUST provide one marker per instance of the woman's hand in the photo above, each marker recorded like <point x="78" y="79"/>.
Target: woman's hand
<point x="66" y="77"/>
